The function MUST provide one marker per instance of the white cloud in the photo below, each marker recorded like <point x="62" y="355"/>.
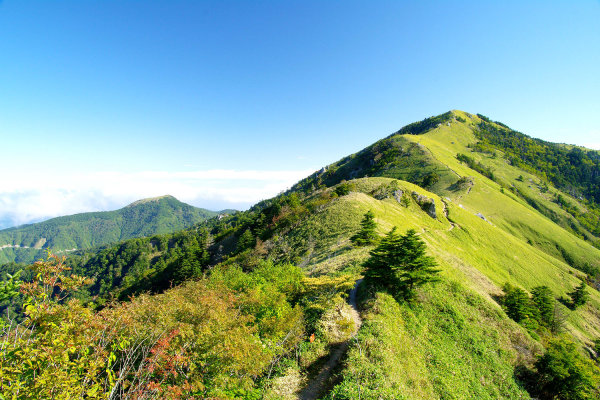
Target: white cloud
<point x="27" y="198"/>
<point x="595" y="134"/>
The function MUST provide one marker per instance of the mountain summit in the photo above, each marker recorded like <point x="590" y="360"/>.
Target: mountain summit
<point x="144" y="217"/>
<point x="157" y="199"/>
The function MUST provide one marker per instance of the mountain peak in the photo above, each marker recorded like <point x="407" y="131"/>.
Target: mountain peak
<point x="146" y="217"/>
<point x="152" y="200"/>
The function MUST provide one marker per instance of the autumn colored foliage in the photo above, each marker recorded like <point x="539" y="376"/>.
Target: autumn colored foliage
<point x="205" y="338"/>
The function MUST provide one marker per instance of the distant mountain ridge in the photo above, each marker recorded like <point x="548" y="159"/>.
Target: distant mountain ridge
<point x="144" y="217"/>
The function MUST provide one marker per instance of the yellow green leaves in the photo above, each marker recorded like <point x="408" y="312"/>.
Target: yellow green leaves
<point x="205" y="338"/>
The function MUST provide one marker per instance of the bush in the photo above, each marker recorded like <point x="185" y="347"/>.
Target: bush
<point x="430" y="179"/>
<point x="207" y="338"/>
<point x="343" y="189"/>
<point x="563" y="373"/>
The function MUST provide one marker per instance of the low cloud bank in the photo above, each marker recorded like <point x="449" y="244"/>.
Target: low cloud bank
<point x="26" y="199"/>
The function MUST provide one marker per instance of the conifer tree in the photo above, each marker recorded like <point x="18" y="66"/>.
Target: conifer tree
<point x="380" y="266"/>
<point x="517" y="304"/>
<point x="417" y="268"/>
<point x="579" y="296"/>
<point x="400" y="263"/>
<point x="544" y="302"/>
<point x="367" y="234"/>
<point x="246" y="241"/>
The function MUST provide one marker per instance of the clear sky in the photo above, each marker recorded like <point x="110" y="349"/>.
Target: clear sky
<point x="223" y="103"/>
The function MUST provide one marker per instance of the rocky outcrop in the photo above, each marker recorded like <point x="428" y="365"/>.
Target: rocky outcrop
<point x="398" y="195"/>
<point x="426" y="204"/>
<point x="480" y="215"/>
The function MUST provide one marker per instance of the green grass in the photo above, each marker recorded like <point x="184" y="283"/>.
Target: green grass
<point x="506" y="210"/>
<point x="456" y="342"/>
<point x="479" y="254"/>
<point x="451" y="344"/>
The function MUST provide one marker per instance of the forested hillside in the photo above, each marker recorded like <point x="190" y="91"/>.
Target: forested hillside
<point x="474" y="281"/>
<point x="572" y="169"/>
<point x="83" y="231"/>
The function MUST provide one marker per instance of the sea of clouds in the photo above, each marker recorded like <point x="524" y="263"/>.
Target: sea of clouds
<point x="26" y="199"/>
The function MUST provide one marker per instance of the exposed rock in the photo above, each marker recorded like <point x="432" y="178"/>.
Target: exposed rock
<point x="426" y="204"/>
<point x="398" y="195"/>
<point x="480" y="215"/>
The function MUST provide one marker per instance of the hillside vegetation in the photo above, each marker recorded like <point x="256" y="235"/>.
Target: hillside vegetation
<point x="83" y="231"/>
<point x="250" y="305"/>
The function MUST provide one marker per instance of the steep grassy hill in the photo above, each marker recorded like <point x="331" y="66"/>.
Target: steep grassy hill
<point x="82" y="231"/>
<point x="485" y="182"/>
<point x="457" y="342"/>
<point x="278" y="274"/>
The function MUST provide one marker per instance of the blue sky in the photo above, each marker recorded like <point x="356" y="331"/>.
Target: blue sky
<point x="224" y="103"/>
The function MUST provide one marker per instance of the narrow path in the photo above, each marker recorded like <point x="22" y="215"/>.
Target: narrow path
<point x="316" y="385"/>
<point x="445" y="212"/>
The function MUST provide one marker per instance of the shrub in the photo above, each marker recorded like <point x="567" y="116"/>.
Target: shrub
<point x="563" y="373"/>
<point x="343" y="189"/>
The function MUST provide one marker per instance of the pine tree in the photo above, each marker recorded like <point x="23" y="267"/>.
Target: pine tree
<point x="380" y="266"/>
<point x="400" y="263"/>
<point x="367" y="234"/>
<point x="579" y="296"/>
<point x="517" y="304"/>
<point x="417" y="268"/>
<point x="544" y="302"/>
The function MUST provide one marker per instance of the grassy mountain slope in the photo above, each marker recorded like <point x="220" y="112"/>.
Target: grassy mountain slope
<point x="497" y="199"/>
<point x="81" y="231"/>
<point x="456" y="342"/>
<point x="452" y="345"/>
<point x="486" y="232"/>
<point x="474" y="252"/>
<point x="486" y="222"/>
<point x="527" y="208"/>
